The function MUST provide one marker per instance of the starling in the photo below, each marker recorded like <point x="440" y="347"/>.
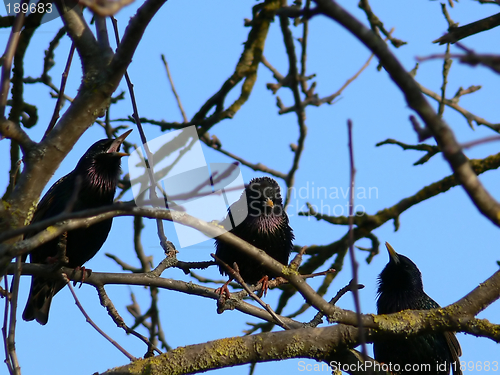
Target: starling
<point x="265" y="227"/>
<point x="91" y="184"/>
<point x="400" y="288"/>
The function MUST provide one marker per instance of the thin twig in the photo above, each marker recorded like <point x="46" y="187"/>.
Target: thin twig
<point x="253" y="365"/>
<point x="89" y="320"/>
<point x="48" y="60"/>
<point x="318" y="318"/>
<point x="299" y="108"/>
<point x="8" y="55"/>
<point x="207" y="280"/>
<point x="297" y="260"/>
<point x="313" y="98"/>
<point x="179" y="103"/>
<point x="452" y="103"/>
<point x="259" y="167"/>
<point x="471" y="144"/>
<point x="146" y="262"/>
<point x="165" y="244"/>
<point x="277" y="75"/>
<point x="446" y="69"/>
<point x="8" y="361"/>
<point x="11" y="339"/>
<point x="60" y="95"/>
<point x="377" y="25"/>
<point x="235" y="274"/>
<point x="451" y="24"/>
<point x="429" y="149"/>
<point x="113" y="313"/>
<point x="123" y="265"/>
<point x="470" y="58"/>
<point x="354" y="263"/>
<point x="303" y="42"/>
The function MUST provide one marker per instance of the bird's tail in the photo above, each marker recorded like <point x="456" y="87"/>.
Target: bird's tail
<point x="39" y="300"/>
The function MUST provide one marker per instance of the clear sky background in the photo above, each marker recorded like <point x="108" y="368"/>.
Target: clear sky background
<point x="454" y="246"/>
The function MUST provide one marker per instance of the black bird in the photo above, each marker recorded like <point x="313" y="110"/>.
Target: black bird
<point x="265" y="227"/>
<point x="91" y="184"/>
<point x="400" y="288"/>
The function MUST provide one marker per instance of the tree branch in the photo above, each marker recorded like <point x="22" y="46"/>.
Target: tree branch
<point x="445" y="138"/>
<point x="458" y="33"/>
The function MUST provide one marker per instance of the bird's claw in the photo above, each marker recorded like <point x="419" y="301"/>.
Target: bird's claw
<point x="265" y="286"/>
<point x="224" y="290"/>
<point x="84" y="273"/>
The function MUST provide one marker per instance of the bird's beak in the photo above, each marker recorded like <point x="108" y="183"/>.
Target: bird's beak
<point x="115" y="146"/>
<point x="269" y="202"/>
<point x="392" y="253"/>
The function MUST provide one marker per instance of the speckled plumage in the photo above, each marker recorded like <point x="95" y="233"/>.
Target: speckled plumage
<point x="400" y="288"/>
<point x="97" y="172"/>
<point x="265" y="227"/>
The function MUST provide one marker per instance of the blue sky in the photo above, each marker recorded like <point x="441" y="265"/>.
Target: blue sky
<point x="453" y="245"/>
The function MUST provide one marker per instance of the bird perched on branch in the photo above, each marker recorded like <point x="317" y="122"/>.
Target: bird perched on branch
<point x="400" y="288"/>
<point x="91" y="184"/>
<point x="265" y="227"/>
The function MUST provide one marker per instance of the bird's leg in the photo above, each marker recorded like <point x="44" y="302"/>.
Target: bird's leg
<point x="265" y="285"/>
<point x="223" y="289"/>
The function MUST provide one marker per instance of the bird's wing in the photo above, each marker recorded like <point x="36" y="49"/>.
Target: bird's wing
<point x="451" y="340"/>
<point x="53" y="203"/>
<point x="55" y="200"/>
<point x="236" y="213"/>
<point x="455" y="349"/>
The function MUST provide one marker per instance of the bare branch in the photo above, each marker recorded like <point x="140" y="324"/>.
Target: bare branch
<point x="429" y="149"/>
<point x="318" y="318"/>
<point x="7" y="60"/>
<point x="256" y="167"/>
<point x="445" y="138"/>
<point x="354" y="263"/>
<point x="165" y="244"/>
<point x="458" y="33"/>
<point x="174" y="91"/>
<point x="96" y="327"/>
<point x="453" y="103"/>
<point x="113" y="313"/>
<point x="8" y="361"/>
<point x="11" y="338"/>
<point x="235" y="274"/>
<point x="60" y="95"/>
<point x="299" y="108"/>
<point x="132" y="37"/>
<point x="82" y="36"/>
<point x="377" y="25"/>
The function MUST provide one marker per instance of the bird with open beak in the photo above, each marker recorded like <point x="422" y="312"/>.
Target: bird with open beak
<point x="90" y="185"/>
